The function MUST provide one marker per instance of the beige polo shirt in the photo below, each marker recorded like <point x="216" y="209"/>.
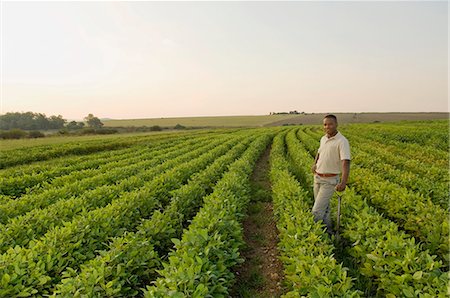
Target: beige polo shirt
<point x="331" y="152"/>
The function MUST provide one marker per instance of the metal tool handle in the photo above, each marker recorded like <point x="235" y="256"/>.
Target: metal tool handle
<point x="338" y="216"/>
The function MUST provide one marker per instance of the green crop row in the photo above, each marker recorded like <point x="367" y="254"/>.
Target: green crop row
<point x="200" y="265"/>
<point x="44" y="152"/>
<point x="436" y="191"/>
<point x="68" y="187"/>
<point x="425" y="168"/>
<point x="22" y="156"/>
<point x="436" y="138"/>
<point x="414" y="212"/>
<point x="33" y="270"/>
<point x="417" y="215"/>
<point x="5" y="199"/>
<point x="389" y="154"/>
<point x="428" y="180"/>
<point x="130" y="261"/>
<point x="30" y="181"/>
<point x="298" y="161"/>
<point x="432" y="183"/>
<point x="26" y="182"/>
<point x="60" y="163"/>
<point x="22" y="229"/>
<point x="392" y="262"/>
<point x="69" y="160"/>
<point x="426" y="154"/>
<point x="306" y="250"/>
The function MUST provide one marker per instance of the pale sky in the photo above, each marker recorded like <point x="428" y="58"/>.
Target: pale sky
<point x="170" y="59"/>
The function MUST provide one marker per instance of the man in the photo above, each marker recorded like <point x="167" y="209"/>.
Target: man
<point x="333" y="154"/>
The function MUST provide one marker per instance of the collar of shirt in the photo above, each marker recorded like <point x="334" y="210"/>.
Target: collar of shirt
<point x="329" y="138"/>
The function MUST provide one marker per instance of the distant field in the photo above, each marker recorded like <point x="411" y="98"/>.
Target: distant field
<point x="58" y="139"/>
<point x="274" y="120"/>
<point x="363" y="118"/>
<point x="215" y="121"/>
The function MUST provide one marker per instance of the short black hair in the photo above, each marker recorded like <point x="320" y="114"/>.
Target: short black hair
<point x="330" y="116"/>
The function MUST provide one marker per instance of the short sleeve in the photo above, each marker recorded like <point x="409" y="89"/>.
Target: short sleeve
<point x="320" y="146"/>
<point x="344" y="150"/>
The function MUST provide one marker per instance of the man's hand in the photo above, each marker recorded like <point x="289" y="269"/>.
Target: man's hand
<point x="340" y="186"/>
<point x="313" y="168"/>
<point x="345" y="172"/>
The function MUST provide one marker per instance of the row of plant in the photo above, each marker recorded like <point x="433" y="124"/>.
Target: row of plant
<point x="414" y="159"/>
<point x="27" y="155"/>
<point x="15" y="183"/>
<point x="393" y="264"/>
<point x="434" y="137"/>
<point x="200" y="263"/>
<point x="307" y="252"/>
<point x="34" y="184"/>
<point x="116" y="171"/>
<point x="414" y="212"/>
<point x="131" y="260"/>
<point x="71" y="159"/>
<point x="417" y="163"/>
<point x="427" y="155"/>
<point x="30" y="154"/>
<point x="33" y="270"/>
<point x="59" y="163"/>
<point x="22" y="229"/>
<point x="434" y="190"/>
<point x="4" y="199"/>
<point x="431" y="182"/>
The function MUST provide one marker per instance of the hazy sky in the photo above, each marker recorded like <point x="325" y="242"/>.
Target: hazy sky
<point x="167" y="59"/>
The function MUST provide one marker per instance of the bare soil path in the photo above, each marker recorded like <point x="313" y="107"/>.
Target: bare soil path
<point x="261" y="274"/>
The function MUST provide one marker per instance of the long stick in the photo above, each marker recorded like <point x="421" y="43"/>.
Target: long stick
<point x="338" y="217"/>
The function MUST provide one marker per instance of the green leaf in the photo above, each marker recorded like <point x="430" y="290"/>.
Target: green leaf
<point x="372" y="257"/>
<point x="176" y="241"/>
<point x="418" y="275"/>
<point x="408" y="292"/>
<point x="5" y="279"/>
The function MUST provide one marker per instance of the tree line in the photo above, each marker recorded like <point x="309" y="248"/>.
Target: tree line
<point x="39" y="121"/>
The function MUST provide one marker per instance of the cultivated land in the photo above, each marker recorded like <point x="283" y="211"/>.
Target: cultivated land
<point x="274" y="120"/>
<point x="225" y="212"/>
<point x="215" y="121"/>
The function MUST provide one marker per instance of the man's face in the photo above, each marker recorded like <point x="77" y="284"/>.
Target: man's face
<point x="329" y="125"/>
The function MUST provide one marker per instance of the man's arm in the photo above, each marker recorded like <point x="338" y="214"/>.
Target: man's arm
<point x="313" y="169"/>
<point x="345" y="172"/>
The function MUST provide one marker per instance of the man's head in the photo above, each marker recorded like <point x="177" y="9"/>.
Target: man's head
<point x="330" y="124"/>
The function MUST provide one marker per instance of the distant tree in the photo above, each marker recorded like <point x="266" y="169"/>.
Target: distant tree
<point x="155" y="128"/>
<point x="42" y="121"/>
<point x="30" y="121"/>
<point x="15" y="133"/>
<point x="73" y="125"/>
<point x="93" y="121"/>
<point x="179" y="126"/>
<point x="35" y="134"/>
<point x="57" y="122"/>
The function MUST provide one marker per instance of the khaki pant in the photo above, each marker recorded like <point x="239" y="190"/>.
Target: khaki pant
<point x="323" y="191"/>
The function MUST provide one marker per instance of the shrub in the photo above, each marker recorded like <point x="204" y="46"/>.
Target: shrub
<point x="35" y="134"/>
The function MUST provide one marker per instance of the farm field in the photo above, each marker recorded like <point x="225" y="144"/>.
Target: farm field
<point x="274" y="120"/>
<point x="189" y="214"/>
<point x="204" y="121"/>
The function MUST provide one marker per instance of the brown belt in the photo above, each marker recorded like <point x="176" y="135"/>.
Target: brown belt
<point x="326" y="175"/>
